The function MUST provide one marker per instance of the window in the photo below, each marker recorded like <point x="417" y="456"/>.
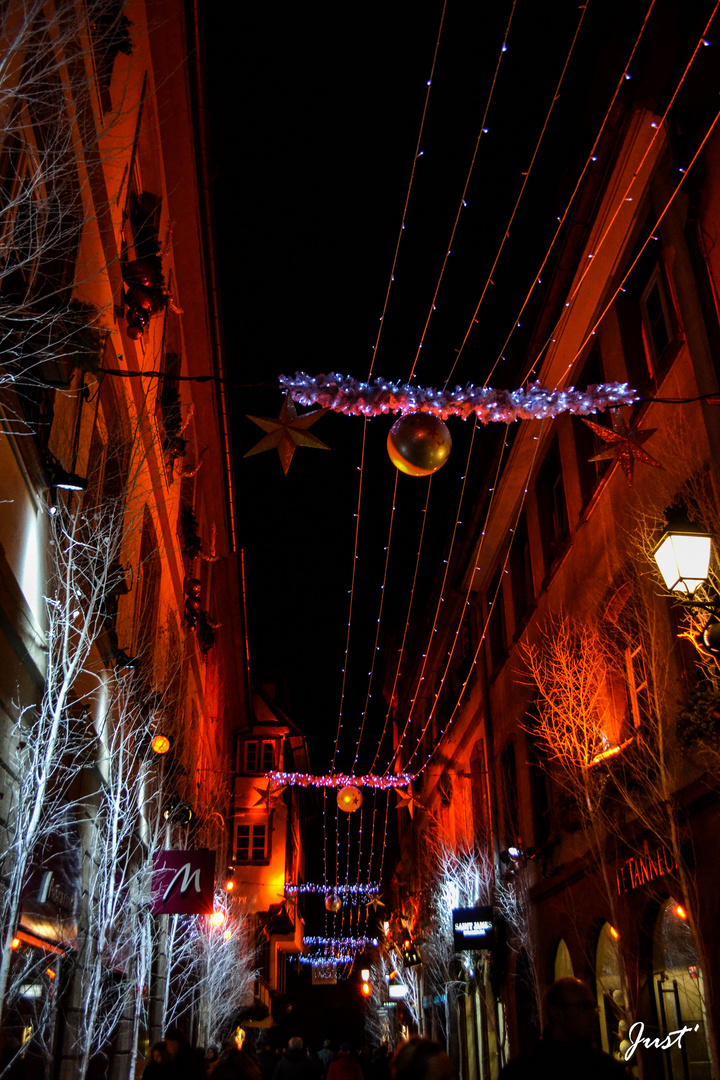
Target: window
<point x="657" y="324"/>
<point x="648" y="322"/>
<point x="637" y="684"/>
<point x="508" y="773"/>
<point x="251" y="756"/>
<point x="251" y="843"/>
<point x="496" y="628"/>
<point x="521" y="578"/>
<point x="268" y="755"/>
<point x="259" y="756"/>
<point x="552" y="508"/>
<point x="147" y="595"/>
<point x="587" y="443"/>
<point x="110" y="35"/>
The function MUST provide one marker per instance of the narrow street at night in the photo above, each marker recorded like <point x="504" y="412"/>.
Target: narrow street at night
<point x="359" y="540"/>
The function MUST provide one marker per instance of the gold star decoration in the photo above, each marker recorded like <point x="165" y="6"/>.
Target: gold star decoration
<point x="625" y="446"/>
<point x="269" y="796"/>
<point x="375" y="903"/>
<point x="286" y="432"/>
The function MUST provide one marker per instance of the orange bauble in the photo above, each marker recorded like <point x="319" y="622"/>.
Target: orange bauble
<point x="349" y="799"/>
<point x="419" y="444"/>
<point x="333" y="903"/>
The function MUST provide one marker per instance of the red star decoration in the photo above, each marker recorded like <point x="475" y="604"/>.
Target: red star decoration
<point x="286" y="432"/>
<point x="624" y="445"/>
<point x="406" y="799"/>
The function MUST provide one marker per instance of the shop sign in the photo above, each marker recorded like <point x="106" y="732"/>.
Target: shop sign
<point x="641" y="869"/>
<point x="183" y="882"/>
<point x="473" y="928"/>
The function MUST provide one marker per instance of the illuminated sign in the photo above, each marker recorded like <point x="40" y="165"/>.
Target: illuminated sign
<point x="183" y="882"/>
<point x="473" y="928"/>
<point x="641" y="869"/>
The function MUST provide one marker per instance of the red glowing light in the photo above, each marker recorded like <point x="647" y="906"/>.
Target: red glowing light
<point x="681" y="912"/>
<point x="15" y="943"/>
<point x="614" y="934"/>
<point x="366" y="989"/>
<point x="217" y="918"/>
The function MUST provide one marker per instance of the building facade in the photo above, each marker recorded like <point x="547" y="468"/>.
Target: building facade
<point x="122" y="677"/>
<point x="570" y="696"/>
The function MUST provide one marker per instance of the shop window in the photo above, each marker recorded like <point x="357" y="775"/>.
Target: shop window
<point x="611" y="997"/>
<point x="563" y="962"/>
<point x="552" y="507"/>
<point x="251" y="843"/>
<point x="679" y="995"/>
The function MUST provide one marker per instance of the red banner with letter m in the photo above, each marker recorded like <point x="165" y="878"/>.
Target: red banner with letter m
<point x="183" y="882"/>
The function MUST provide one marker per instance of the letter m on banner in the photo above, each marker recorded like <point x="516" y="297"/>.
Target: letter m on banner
<point x="183" y="882"/>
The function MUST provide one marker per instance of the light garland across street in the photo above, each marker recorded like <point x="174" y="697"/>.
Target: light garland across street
<point x="342" y="393"/>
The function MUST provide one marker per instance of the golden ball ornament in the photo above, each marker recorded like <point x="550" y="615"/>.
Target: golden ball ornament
<point x="419" y="444"/>
<point x="333" y="903"/>
<point x="349" y="799"/>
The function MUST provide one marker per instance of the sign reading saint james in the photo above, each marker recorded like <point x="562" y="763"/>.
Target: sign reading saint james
<point x="183" y="882"/>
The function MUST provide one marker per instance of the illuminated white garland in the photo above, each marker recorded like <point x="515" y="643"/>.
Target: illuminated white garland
<point x="339" y="780"/>
<point x="326" y="960"/>
<point x="342" y="942"/>
<point x="352" y="891"/>
<point x="341" y="393"/>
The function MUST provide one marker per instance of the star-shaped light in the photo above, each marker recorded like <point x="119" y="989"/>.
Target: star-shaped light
<point x="286" y="432"/>
<point x="624" y="446"/>
<point x="375" y="903"/>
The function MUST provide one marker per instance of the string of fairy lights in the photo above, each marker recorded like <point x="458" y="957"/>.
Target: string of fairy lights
<point x="337" y="831"/>
<point x="365" y="833"/>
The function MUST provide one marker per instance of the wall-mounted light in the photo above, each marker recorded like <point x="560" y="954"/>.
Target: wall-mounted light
<point x="683" y="554"/>
<point x="67" y="481"/>
<point x="178" y="813"/>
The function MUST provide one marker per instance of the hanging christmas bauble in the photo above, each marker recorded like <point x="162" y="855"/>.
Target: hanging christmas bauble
<point x="193" y="586"/>
<point x="349" y="799"/>
<point x="140" y="272"/>
<point x="419" y="444"/>
<point x="333" y="903"/>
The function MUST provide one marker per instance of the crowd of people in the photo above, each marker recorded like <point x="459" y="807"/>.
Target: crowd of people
<point x="173" y="1058"/>
<point x="568" y="1050"/>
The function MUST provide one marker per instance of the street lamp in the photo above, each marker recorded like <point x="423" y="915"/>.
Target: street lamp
<point x="683" y="555"/>
<point x="683" y="559"/>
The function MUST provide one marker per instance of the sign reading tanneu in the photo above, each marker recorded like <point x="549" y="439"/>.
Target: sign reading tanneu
<point x="473" y="928"/>
<point x="640" y="869"/>
<point x="183" y="882"/>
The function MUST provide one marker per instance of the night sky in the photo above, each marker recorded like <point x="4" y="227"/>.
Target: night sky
<point x="315" y="115"/>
